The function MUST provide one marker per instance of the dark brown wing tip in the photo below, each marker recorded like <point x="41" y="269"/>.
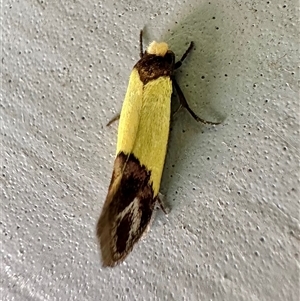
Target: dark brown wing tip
<point x="108" y="262"/>
<point x="125" y="216"/>
<point x="103" y="232"/>
<point x="103" y="237"/>
<point x="107" y="257"/>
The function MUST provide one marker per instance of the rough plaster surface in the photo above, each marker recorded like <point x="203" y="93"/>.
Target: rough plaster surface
<point x="233" y="232"/>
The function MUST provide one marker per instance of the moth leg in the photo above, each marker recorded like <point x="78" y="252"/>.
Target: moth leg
<point x="180" y="106"/>
<point x="184" y="104"/>
<point x="179" y="63"/>
<point x="141" y="44"/>
<point x="148" y="226"/>
<point x="115" y="118"/>
<point x="160" y="198"/>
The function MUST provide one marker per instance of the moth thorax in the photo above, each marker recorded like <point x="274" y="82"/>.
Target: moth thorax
<point x="159" y="49"/>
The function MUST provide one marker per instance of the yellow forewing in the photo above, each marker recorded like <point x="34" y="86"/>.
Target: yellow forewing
<point x="144" y="123"/>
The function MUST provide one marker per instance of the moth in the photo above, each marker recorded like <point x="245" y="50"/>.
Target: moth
<point x="141" y="149"/>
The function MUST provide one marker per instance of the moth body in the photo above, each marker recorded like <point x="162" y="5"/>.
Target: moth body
<point x="141" y="149"/>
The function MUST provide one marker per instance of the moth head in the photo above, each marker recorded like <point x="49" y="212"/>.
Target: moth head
<point x="159" y="49"/>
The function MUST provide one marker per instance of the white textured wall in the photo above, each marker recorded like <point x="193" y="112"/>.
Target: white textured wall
<point x="233" y="232"/>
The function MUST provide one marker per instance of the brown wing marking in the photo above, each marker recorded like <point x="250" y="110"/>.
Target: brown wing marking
<point x="127" y="209"/>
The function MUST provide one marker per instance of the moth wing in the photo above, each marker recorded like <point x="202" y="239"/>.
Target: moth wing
<point x="127" y="210"/>
<point x="128" y="206"/>
<point x="130" y="201"/>
<point x="130" y="114"/>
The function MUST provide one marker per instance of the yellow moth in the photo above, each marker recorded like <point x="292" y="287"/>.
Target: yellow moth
<point x="141" y="149"/>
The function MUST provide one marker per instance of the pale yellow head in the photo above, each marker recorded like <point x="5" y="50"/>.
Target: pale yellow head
<point x="159" y="49"/>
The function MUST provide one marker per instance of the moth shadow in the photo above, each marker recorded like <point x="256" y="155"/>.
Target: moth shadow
<point x="198" y="81"/>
